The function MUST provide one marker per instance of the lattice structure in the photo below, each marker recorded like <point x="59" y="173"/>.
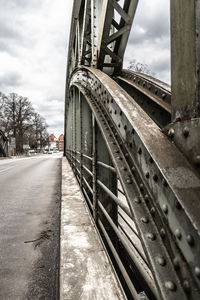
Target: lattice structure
<point x="134" y="146"/>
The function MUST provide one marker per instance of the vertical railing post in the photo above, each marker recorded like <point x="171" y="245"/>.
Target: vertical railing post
<point x="81" y="139"/>
<point x="94" y="169"/>
<point x="185" y="57"/>
<point x="109" y="179"/>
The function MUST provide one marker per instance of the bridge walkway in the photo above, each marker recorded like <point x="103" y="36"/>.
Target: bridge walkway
<point x="85" y="271"/>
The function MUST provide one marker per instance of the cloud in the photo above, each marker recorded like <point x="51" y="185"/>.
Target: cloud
<point x="10" y="79"/>
<point x="149" y="40"/>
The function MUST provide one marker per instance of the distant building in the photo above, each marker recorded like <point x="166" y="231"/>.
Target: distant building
<point x="60" y="143"/>
<point x="52" y="142"/>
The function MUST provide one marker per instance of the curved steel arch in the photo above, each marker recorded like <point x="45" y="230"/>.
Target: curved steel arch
<point x="118" y="134"/>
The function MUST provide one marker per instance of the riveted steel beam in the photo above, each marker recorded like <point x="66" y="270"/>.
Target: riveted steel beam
<point x="185" y="56"/>
<point x="159" y="174"/>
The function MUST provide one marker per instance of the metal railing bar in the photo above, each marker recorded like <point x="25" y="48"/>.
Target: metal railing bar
<point x="87" y="170"/>
<point x="119" y="190"/>
<point x="88" y="186"/>
<point x="100" y="163"/>
<point x="114" y="198"/>
<point x="134" y="245"/>
<point x="88" y="199"/>
<point x="88" y="157"/>
<point x="141" y="270"/>
<point x="119" y="263"/>
<point x="134" y="231"/>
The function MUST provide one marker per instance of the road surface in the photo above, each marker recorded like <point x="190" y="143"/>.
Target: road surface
<point x="29" y="227"/>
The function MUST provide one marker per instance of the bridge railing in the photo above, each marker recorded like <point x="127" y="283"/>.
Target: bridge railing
<point x="133" y="144"/>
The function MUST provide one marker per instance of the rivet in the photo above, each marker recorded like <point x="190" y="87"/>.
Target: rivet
<point x="149" y="87"/>
<point x="186" y="132"/>
<point x="165" y="208"/>
<point x="162" y="233"/>
<point x="129" y="181"/>
<point x="164" y="182"/>
<point x="141" y="187"/>
<point x="177" y="204"/>
<point x="197" y="160"/>
<point x="190" y="239"/>
<point x="146" y="198"/>
<point x="163" y="96"/>
<point x="176" y="263"/>
<point x="119" y="125"/>
<point x="133" y="169"/>
<point x="119" y="158"/>
<point x="186" y="286"/>
<point x="155" y="178"/>
<point x="151" y="160"/>
<point x="147" y="175"/>
<point x="145" y="220"/>
<point x="161" y="261"/>
<point x="126" y="155"/>
<point x="143" y="83"/>
<point x="170" y="285"/>
<point x="153" y="211"/>
<point x="178" y="234"/>
<point x="137" y="200"/>
<point x="124" y="169"/>
<point x="156" y="91"/>
<point x="140" y="151"/>
<point x="151" y="236"/>
<point x="138" y="81"/>
<point x="171" y="133"/>
<point x="197" y="271"/>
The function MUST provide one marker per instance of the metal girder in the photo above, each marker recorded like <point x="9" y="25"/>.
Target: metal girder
<point x="157" y="169"/>
<point x="159" y="183"/>
<point x="185" y="59"/>
<point x="114" y="35"/>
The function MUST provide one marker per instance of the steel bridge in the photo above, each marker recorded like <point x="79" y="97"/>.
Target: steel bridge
<point x="133" y="143"/>
<point x="3" y="144"/>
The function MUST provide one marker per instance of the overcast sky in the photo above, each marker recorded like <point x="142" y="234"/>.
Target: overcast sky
<point x="33" y="49"/>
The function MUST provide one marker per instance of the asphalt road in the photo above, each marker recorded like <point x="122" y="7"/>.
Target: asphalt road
<point x="29" y="227"/>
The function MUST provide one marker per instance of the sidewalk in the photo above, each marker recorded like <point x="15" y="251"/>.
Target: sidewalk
<point x="85" y="272"/>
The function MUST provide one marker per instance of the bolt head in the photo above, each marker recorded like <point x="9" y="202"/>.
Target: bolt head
<point x="190" y="240"/>
<point x="145" y="220"/>
<point x="186" y="286"/>
<point x="161" y="261"/>
<point x="151" y="236"/>
<point x="162" y="233"/>
<point x="170" y="285"/>
<point x="171" y="133"/>
<point x="178" y="234"/>
<point x="176" y="263"/>
<point x="165" y="208"/>
<point x="197" y="271"/>
<point x="186" y="131"/>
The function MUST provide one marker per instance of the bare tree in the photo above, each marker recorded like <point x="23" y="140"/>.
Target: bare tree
<point x="140" y="67"/>
<point x="19" y="120"/>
